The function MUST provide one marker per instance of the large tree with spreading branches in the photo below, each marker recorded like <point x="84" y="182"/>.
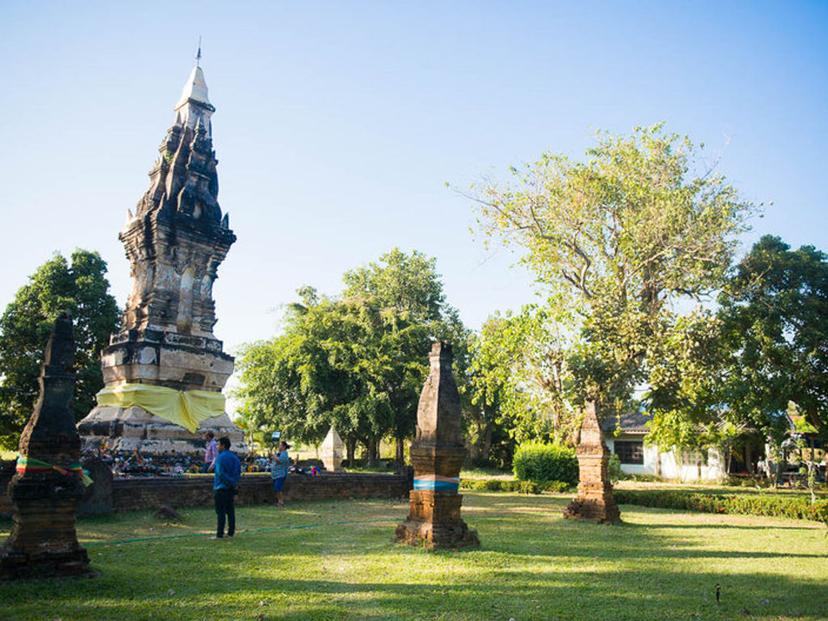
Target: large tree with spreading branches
<point x="619" y="237"/>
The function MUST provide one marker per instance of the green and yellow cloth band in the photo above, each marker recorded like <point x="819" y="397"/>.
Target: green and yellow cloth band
<point x="30" y="464"/>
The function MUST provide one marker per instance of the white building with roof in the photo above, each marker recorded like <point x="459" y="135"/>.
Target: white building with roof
<point x="625" y="438"/>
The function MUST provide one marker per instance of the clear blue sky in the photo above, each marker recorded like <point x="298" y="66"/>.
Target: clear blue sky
<point x="338" y="123"/>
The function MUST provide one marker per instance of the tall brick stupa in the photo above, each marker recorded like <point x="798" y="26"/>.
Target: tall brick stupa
<point x="165" y="370"/>
<point x="595" y="500"/>
<point x="437" y="455"/>
<point x="49" y="481"/>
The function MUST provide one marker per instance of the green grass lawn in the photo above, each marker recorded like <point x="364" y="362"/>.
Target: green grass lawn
<point x="336" y="560"/>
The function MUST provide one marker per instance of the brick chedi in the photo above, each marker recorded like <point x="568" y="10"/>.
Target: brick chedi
<point x="595" y="500"/>
<point x="48" y="484"/>
<point x="175" y="241"/>
<point x="437" y="455"/>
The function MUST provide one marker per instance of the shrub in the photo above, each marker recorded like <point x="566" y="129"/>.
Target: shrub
<point x="746" y="481"/>
<point x="529" y="487"/>
<point x="614" y="468"/>
<point x="546" y="462"/>
<point x="493" y="485"/>
<point x="643" y="478"/>
<point x="524" y="487"/>
<point x="772" y="505"/>
<point x="483" y="485"/>
<point x="556" y="486"/>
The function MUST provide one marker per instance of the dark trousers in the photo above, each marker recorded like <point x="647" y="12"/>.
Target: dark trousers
<point x="225" y="507"/>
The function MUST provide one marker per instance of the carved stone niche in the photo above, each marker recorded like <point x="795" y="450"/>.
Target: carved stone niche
<point x="595" y="500"/>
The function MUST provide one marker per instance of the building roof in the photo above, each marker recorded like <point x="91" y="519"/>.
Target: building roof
<point x="631" y="422"/>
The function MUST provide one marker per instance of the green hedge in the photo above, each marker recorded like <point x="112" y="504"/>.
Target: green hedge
<point x="505" y="485"/>
<point x="776" y="505"/>
<point x="546" y="462"/>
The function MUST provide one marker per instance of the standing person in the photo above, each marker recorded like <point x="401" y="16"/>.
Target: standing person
<point x="210" y="452"/>
<point x="225" y="482"/>
<point x="279" y="472"/>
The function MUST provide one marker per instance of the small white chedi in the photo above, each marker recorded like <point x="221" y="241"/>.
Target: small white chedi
<point x="332" y="451"/>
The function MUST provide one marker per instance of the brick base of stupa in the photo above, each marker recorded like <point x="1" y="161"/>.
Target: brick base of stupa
<point x="43" y="543"/>
<point x="602" y="510"/>
<point x="122" y="431"/>
<point x="15" y="565"/>
<point x="595" y="500"/>
<point x="434" y="522"/>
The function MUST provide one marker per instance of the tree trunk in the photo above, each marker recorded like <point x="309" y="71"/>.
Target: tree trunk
<point x="372" y="448"/>
<point x="400" y="457"/>
<point x="486" y="449"/>
<point x="781" y="467"/>
<point x="350" y="447"/>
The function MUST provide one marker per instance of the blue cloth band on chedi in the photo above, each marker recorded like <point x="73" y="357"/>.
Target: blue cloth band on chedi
<point x="437" y="483"/>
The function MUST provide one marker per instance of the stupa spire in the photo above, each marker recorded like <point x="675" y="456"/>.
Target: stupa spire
<point x="183" y="179"/>
<point x="194" y="103"/>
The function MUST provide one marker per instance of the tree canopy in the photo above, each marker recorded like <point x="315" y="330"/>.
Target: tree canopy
<point x="773" y="314"/>
<point x="618" y="238"/>
<point x="519" y="383"/>
<point x="741" y="367"/>
<point x="356" y="361"/>
<point x="79" y="286"/>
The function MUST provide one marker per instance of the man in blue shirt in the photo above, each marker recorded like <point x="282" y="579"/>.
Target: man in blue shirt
<point x="225" y="481"/>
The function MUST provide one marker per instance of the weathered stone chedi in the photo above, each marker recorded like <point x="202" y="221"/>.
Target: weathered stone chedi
<point x="437" y="455"/>
<point x="175" y="242"/>
<point x="48" y="483"/>
<point x="595" y="500"/>
<point x="332" y="451"/>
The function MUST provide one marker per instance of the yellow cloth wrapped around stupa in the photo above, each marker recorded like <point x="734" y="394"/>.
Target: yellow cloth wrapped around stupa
<point x="187" y="408"/>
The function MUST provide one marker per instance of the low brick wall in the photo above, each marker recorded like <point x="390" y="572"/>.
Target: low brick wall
<point x="151" y="493"/>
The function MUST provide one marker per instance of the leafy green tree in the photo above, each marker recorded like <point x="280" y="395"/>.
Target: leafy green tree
<point x="720" y="376"/>
<point x="618" y="238"/>
<point x="358" y="361"/>
<point x="774" y="313"/>
<point x="519" y="383"/>
<point x="81" y="288"/>
<point x="299" y="382"/>
<point x="406" y="283"/>
<point x="687" y="388"/>
<point x="407" y="293"/>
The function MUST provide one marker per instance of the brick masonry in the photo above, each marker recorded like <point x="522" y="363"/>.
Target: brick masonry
<point x="152" y="492"/>
<point x="6" y="473"/>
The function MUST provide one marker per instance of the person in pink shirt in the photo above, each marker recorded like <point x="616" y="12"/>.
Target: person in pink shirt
<point x="210" y="452"/>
